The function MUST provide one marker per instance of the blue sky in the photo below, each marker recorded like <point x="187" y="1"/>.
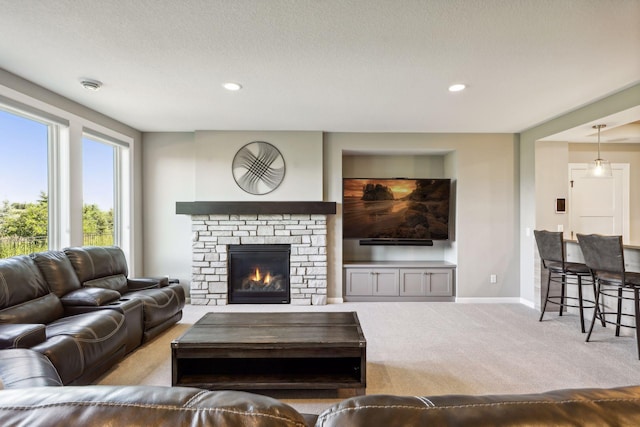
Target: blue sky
<point x="23" y="163"/>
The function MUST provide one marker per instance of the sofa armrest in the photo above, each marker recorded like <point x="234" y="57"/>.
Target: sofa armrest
<point x="21" y="335"/>
<point x="21" y="367"/>
<point x="92" y="297"/>
<point x="141" y="283"/>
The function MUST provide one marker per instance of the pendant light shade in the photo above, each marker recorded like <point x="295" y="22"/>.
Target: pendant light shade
<point x="599" y="168"/>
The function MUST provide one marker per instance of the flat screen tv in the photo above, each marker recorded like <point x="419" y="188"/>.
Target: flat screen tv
<point x="395" y="210"/>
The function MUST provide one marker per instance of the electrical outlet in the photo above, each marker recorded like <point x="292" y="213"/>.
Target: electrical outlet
<point x="493" y="278"/>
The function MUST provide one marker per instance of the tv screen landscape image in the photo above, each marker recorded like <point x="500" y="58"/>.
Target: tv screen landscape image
<point x="396" y="209"/>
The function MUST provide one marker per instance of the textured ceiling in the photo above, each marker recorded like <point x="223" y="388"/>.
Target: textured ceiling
<point x="329" y="65"/>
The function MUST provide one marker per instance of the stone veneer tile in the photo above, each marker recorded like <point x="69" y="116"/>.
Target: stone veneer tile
<point x="212" y="233"/>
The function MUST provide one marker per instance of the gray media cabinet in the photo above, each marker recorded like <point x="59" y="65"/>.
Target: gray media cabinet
<point x="399" y="281"/>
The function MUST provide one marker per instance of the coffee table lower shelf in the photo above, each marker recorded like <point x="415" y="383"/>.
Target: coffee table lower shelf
<point x="265" y="382"/>
<point x="276" y="373"/>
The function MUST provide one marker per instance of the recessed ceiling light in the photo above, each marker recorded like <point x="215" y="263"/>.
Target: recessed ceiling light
<point x="91" y="84"/>
<point x="457" y="87"/>
<point x="232" y="86"/>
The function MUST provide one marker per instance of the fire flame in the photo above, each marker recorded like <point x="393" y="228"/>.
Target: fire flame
<point x="257" y="277"/>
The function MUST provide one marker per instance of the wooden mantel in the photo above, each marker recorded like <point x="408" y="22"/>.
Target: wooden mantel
<point x="246" y="208"/>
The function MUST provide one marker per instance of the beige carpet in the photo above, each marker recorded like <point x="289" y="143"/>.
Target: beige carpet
<point x="439" y="348"/>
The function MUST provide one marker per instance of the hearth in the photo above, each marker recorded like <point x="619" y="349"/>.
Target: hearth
<point x="259" y="274"/>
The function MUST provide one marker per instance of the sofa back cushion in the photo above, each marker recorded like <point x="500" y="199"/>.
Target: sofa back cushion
<point x="569" y="407"/>
<point x="95" y="262"/>
<point x="117" y="282"/>
<point x="57" y="271"/>
<point x="105" y="405"/>
<point x="24" y="294"/>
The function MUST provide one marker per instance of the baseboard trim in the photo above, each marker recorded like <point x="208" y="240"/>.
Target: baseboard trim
<point x="490" y="300"/>
<point x="528" y="303"/>
<point x="479" y="300"/>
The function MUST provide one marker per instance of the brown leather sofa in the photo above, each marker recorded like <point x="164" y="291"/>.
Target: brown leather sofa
<point x="85" y="323"/>
<point x="81" y="346"/>
<point x="103" y="269"/>
<point x="29" y="399"/>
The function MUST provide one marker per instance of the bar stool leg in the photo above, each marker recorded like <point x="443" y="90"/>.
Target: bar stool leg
<point x="596" y="299"/>
<point x="580" y="303"/>
<point x="619" y="313"/>
<point x="636" y="301"/>
<point x="562" y="292"/>
<point x="595" y="312"/>
<point x="546" y="298"/>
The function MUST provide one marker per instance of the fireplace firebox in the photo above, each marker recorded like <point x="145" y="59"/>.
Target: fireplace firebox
<point x="258" y="274"/>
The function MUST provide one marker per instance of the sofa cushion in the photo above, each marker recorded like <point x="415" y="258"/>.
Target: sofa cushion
<point x="57" y="271"/>
<point x="91" y="262"/>
<point x="136" y="284"/>
<point x="99" y="334"/>
<point x="45" y="309"/>
<point x="143" y="405"/>
<point x="24" y="294"/>
<point x="593" y="407"/>
<point x="65" y="354"/>
<point x="158" y="304"/>
<point x="90" y="297"/>
<point x="21" y="335"/>
<point x="26" y="368"/>
<point x="116" y="282"/>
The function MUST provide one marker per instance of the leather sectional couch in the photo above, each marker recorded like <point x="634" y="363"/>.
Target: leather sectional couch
<point x="31" y="398"/>
<point x="79" y="309"/>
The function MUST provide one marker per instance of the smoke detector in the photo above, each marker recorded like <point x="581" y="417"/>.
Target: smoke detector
<point x="91" y="84"/>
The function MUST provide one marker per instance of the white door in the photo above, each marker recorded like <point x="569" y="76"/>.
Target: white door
<point x="599" y="205"/>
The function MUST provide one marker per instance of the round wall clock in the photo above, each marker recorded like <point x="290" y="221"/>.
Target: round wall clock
<point x="258" y="167"/>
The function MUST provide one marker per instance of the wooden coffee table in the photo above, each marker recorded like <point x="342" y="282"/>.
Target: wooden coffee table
<point x="249" y="351"/>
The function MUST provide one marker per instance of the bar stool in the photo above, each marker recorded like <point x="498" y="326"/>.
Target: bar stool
<point x="604" y="255"/>
<point x="552" y="252"/>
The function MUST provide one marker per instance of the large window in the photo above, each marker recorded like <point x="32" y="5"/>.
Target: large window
<point x="24" y="184"/>
<point x="98" y="188"/>
<point x="61" y="183"/>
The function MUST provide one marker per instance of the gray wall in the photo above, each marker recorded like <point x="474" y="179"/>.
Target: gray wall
<point x="483" y="167"/>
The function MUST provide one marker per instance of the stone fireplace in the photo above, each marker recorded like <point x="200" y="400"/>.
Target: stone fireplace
<point x="216" y="226"/>
<point x="258" y="274"/>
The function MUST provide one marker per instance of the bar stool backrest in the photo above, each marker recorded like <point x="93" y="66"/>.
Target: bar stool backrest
<point x="602" y="253"/>
<point x="550" y="246"/>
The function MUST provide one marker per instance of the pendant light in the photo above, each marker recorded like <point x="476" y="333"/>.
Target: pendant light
<point x="599" y="168"/>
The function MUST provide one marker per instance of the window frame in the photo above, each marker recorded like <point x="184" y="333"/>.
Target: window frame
<point x="55" y="126"/>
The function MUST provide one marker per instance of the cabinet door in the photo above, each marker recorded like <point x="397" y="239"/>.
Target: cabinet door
<point x="385" y="282"/>
<point x="359" y="281"/>
<point x="413" y="282"/>
<point x="440" y="283"/>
